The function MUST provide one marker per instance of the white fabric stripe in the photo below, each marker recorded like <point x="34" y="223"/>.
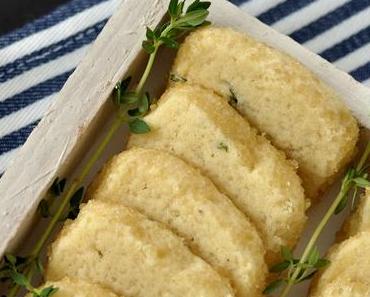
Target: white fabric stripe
<point x="58" y="32"/>
<point x="340" y="32"/>
<point x="6" y="158"/>
<point x="24" y="116"/>
<point x="41" y="73"/>
<point x="256" y="7"/>
<point x="307" y="15"/>
<point x="355" y="59"/>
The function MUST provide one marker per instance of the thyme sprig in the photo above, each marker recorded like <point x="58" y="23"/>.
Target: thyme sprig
<point x="233" y="99"/>
<point x="294" y="271"/>
<point x="223" y="146"/>
<point x="290" y="264"/>
<point x="133" y="104"/>
<point x="49" y="204"/>
<point x="10" y="271"/>
<point x="177" y="78"/>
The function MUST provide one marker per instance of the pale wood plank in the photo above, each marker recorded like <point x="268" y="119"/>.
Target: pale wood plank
<point x="61" y="135"/>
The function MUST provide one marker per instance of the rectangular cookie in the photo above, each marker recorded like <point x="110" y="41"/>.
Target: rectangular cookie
<point x="201" y="128"/>
<point x="168" y="190"/>
<point x="278" y="95"/>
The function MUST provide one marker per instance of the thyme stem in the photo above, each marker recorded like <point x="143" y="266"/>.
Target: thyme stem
<point x="346" y="187"/>
<point x="149" y="66"/>
<point x="65" y="200"/>
<point x="364" y="157"/>
<point x="76" y="183"/>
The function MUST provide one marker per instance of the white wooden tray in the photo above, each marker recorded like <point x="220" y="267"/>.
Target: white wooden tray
<point x="82" y="110"/>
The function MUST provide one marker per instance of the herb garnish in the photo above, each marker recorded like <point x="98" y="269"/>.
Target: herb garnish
<point x="48" y="205"/>
<point x="233" y="100"/>
<point x="177" y="78"/>
<point x="10" y="271"/>
<point x="132" y="105"/>
<point x="294" y="270"/>
<point x="223" y="146"/>
<point x="290" y="264"/>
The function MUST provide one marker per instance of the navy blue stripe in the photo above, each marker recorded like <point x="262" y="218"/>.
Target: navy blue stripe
<point x="329" y="20"/>
<point x="362" y="73"/>
<point x="58" y="15"/>
<point x="51" y="52"/>
<point x="347" y="46"/>
<point x="282" y="10"/>
<point x="33" y="94"/>
<point x="16" y="139"/>
<point x="238" y="2"/>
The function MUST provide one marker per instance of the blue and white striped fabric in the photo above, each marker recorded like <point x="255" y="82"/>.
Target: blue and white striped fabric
<point x="37" y="59"/>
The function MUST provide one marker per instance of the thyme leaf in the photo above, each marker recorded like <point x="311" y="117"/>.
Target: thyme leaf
<point x="10" y="271"/>
<point x="74" y="204"/>
<point x="58" y="186"/>
<point x="233" y="100"/>
<point x="46" y="206"/>
<point x="274" y="286"/>
<point x="177" y="78"/>
<point x="138" y="126"/>
<point x="223" y="146"/>
<point x="289" y="265"/>
<point x="45" y="292"/>
<point x="197" y="5"/>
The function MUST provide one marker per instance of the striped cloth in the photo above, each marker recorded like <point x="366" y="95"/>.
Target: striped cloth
<point x="37" y="59"/>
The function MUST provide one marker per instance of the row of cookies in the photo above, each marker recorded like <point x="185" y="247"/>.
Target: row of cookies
<point x="201" y="205"/>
